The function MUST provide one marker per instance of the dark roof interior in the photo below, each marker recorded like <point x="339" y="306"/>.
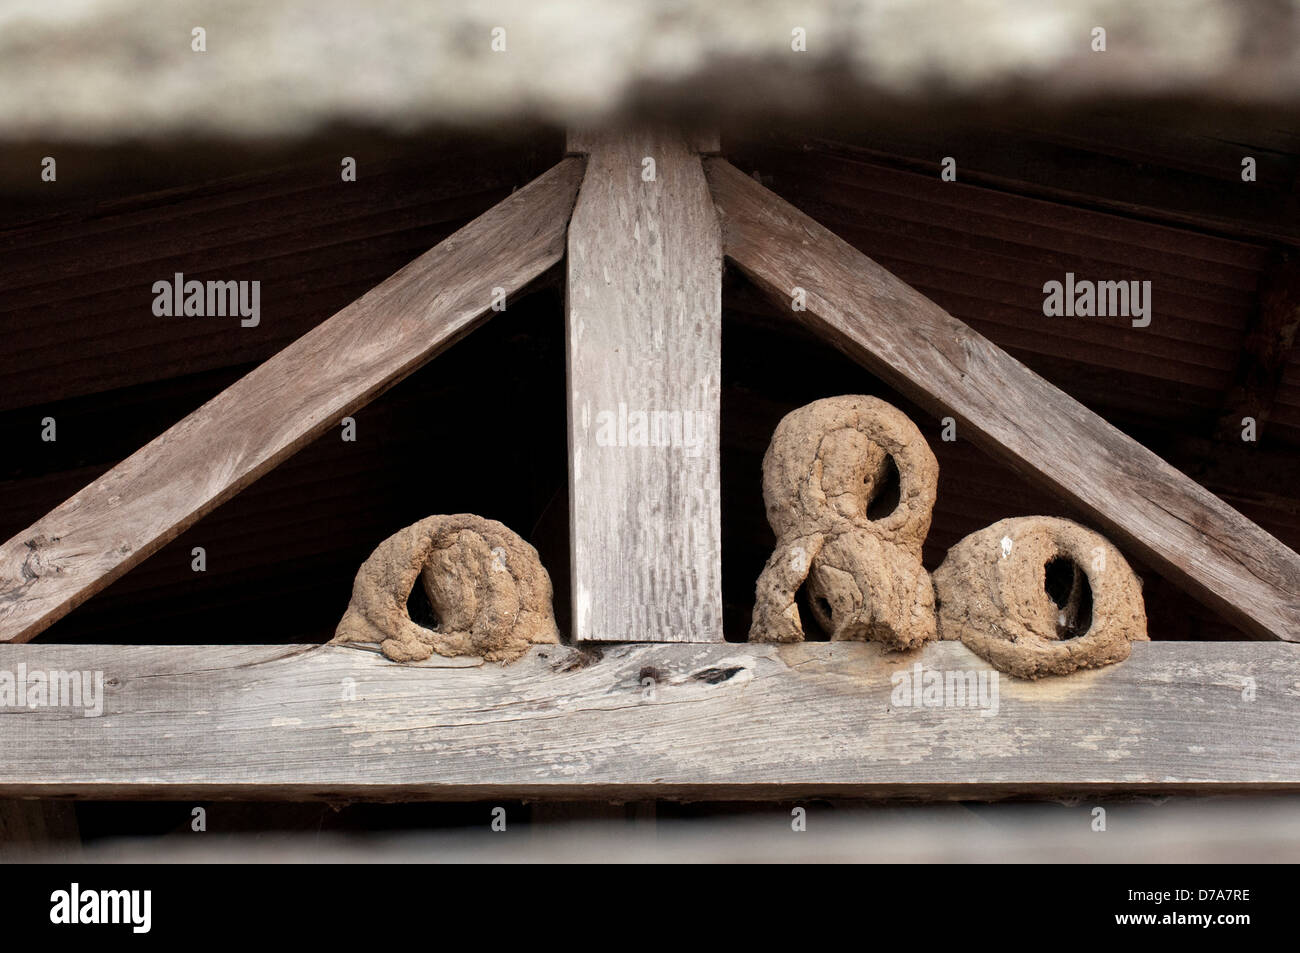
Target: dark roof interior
<point x="481" y="429"/>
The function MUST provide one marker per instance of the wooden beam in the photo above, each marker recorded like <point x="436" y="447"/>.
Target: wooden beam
<point x="155" y="494"/>
<point x="1172" y="524"/>
<point x="644" y="328"/>
<point x="631" y="722"/>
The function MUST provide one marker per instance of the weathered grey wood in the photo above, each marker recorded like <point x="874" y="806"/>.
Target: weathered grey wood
<point x="631" y="722"/>
<point x="644" y="328"/>
<point x="151" y="497"/>
<point x="1175" y="526"/>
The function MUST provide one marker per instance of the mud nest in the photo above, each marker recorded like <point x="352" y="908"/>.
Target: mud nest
<point x="825" y="466"/>
<point x="1037" y="595"/>
<point x="486" y="586"/>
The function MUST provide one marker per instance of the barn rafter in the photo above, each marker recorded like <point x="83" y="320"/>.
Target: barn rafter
<point x="644" y="271"/>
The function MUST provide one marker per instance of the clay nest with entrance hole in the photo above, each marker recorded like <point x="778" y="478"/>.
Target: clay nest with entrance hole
<point x="489" y="593"/>
<point x="1037" y="595"/>
<point x="825" y="467"/>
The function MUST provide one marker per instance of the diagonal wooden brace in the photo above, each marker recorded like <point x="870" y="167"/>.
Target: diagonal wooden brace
<point x="1174" y="525"/>
<point x="148" y="499"/>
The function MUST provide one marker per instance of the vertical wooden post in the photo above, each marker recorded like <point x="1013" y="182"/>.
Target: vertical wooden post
<point x="644" y="326"/>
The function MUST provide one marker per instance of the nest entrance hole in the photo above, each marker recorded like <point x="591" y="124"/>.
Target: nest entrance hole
<point x="1068" y="587"/>
<point x="420" y="609"/>
<point x="885" y="499"/>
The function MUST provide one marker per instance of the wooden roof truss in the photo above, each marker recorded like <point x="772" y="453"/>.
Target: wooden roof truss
<point x="644" y="221"/>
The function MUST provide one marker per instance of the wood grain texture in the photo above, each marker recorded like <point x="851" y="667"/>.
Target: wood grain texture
<point x="629" y="722"/>
<point x="644" y="325"/>
<point x="1171" y="523"/>
<point x="152" y="496"/>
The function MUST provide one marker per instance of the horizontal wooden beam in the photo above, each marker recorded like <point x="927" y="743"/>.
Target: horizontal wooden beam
<point x="1174" y="525"/>
<point x="669" y="721"/>
<point x="155" y="494"/>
